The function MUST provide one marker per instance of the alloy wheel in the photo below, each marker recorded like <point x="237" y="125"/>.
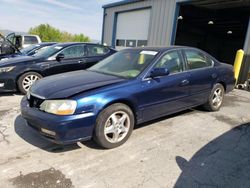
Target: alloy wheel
<point x="28" y="81"/>
<point x="117" y="127"/>
<point x="217" y="97"/>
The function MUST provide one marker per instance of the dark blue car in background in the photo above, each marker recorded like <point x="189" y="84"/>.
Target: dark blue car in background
<point x="130" y="87"/>
<point x="20" y="73"/>
<point x="28" y="51"/>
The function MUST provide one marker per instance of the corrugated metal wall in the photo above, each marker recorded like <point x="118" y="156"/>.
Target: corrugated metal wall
<point x="161" y="20"/>
<point x="161" y="26"/>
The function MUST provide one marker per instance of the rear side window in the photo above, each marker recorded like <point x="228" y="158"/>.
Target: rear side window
<point x="196" y="59"/>
<point x="30" y="40"/>
<point x="171" y="61"/>
<point x="95" y="50"/>
<point x="74" y="51"/>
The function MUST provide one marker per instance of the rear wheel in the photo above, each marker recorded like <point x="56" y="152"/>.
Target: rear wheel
<point x="216" y="98"/>
<point x="27" y="80"/>
<point x="114" y="125"/>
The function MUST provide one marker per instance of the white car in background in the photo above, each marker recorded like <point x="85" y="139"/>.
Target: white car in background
<point x="23" y="40"/>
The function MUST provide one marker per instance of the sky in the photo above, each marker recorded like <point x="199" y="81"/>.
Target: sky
<point x="74" y="16"/>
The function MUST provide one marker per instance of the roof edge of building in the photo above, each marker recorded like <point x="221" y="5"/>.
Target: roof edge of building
<point x="124" y="2"/>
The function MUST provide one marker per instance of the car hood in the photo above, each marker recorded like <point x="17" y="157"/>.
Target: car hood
<point x="16" y="60"/>
<point x="7" y="57"/>
<point x="68" y="84"/>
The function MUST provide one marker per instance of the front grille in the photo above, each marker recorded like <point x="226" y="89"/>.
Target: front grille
<point x="35" y="102"/>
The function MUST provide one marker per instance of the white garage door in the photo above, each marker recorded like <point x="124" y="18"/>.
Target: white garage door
<point x="132" y="29"/>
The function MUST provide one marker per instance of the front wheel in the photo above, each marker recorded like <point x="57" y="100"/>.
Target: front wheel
<point x="114" y="125"/>
<point x="27" y="80"/>
<point x="216" y="98"/>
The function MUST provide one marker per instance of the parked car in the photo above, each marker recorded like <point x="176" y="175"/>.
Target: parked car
<point x="130" y="87"/>
<point x="23" y="40"/>
<point x="21" y="72"/>
<point x="31" y="50"/>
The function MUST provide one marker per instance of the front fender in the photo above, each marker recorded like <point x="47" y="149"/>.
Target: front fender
<point x="96" y="103"/>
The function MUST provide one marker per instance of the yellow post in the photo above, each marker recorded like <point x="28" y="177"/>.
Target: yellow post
<point x="237" y="64"/>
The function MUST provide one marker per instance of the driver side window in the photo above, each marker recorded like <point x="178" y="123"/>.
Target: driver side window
<point x="73" y="52"/>
<point x="171" y="61"/>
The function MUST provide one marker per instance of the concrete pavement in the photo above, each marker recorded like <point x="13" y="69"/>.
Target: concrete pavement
<point x="189" y="149"/>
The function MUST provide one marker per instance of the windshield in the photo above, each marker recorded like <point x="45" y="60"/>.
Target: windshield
<point x="47" y="52"/>
<point x="29" y="48"/>
<point x="127" y="63"/>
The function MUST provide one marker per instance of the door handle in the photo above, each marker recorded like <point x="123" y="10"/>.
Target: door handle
<point x="45" y="66"/>
<point x="184" y="82"/>
<point x="82" y="61"/>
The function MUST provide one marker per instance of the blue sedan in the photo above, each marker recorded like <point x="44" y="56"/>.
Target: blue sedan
<point x="130" y="87"/>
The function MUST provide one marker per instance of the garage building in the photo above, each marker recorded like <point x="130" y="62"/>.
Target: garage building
<point x="218" y="27"/>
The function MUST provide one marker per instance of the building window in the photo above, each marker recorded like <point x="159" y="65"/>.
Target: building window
<point x="141" y="43"/>
<point x="131" y="43"/>
<point x="120" y="42"/>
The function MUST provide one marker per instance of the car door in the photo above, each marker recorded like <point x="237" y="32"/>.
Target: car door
<point x="202" y="75"/>
<point x="165" y="94"/>
<point x="73" y="60"/>
<point x="95" y="53"/>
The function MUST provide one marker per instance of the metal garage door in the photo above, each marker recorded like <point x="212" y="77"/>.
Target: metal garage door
<point x="132" y="28"/>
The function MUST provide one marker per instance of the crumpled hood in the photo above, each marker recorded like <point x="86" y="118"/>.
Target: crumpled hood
<point x="16" y="60"/>
<point x="68" y="84"/>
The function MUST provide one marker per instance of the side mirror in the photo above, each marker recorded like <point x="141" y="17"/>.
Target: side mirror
<point x="59" y="57"/>
<point x="159" y="72"/>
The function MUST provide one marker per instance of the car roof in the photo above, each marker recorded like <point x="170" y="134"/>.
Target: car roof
<point x="160" y="48"/>
<point x="74" y="43"/>
<point x="46" y="43"/>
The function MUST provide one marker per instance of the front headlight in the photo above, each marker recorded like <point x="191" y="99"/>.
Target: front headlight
<point x="6" y="69"/>
<point x="59" y="107"/>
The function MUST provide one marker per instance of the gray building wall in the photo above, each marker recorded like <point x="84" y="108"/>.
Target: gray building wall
<point x="160" y="25"/>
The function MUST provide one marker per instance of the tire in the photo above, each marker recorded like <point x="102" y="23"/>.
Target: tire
<point x="215" y="99"/>
<point x="26" y="80"/>
<point x="114" y="125"/>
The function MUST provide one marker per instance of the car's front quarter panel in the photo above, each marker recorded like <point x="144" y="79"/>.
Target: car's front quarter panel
<point x="95" y="101"/>
<point x="80" y="125"/>
<point x="10" y="78"/>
